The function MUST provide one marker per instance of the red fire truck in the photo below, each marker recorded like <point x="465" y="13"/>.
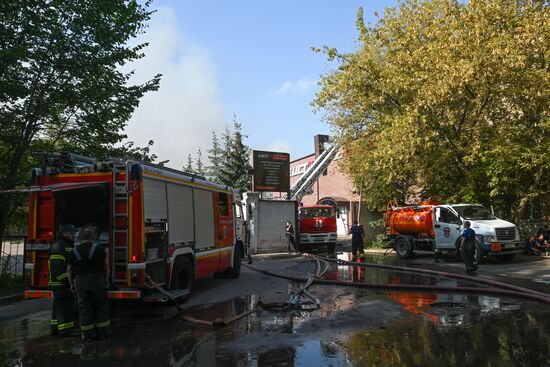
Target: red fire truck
<point x="156" y="225"/>
<point x="318" y="226"/>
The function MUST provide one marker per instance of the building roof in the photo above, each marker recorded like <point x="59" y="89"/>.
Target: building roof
<point x="304" y="157"/>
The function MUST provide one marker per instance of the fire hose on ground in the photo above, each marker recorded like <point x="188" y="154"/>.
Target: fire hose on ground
<point x="444" y="274"/>
<point x="295" y="299"/>
<point x="499" y="289"/>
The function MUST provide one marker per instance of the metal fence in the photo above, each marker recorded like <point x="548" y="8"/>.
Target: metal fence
<point x="11" y="259"/>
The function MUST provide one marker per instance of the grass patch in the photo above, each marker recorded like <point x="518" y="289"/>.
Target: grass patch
<point x="377" y="244"/>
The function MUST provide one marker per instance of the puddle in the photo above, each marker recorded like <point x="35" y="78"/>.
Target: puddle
<point x="544" y="280"/>
<point x="516" y="338"/>
<point x="353" y="327"/>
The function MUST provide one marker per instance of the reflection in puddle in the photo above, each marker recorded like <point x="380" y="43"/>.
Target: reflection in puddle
<point x="353" y="327"/>
<point x="504" y="338"/>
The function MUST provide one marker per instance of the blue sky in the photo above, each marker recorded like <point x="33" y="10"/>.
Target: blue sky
<point x="252" y="58"/>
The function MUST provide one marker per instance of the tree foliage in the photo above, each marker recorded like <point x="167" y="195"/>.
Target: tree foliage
<point x="62" y="84"/>
<point x="445" y="98"/>
<point x="189" y="165"/>
<point x="214" y="157"/>
<point x="199" y="164"/>
<point x="235" y="158"/>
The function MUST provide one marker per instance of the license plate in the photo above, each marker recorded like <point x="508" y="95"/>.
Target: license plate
<point x="37" y="246"/>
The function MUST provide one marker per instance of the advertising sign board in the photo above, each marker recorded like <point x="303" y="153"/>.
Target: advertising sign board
<point x="271" y="171"/>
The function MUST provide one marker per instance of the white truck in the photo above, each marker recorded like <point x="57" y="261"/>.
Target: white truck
<point x="432" y="225"/>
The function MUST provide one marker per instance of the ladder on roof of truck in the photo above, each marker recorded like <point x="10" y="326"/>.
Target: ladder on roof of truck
<point x="119" y="226"/>
<point x="321" y="163"/>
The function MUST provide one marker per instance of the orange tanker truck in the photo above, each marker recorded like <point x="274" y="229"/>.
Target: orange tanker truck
<point x="431" y="226"/>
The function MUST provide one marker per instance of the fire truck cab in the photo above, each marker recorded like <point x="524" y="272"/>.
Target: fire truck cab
<point x="161" y="228"/>
<point x="317" y="226"/>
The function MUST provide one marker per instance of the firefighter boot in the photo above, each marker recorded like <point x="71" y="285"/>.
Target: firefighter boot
<point x="53" y="327"/>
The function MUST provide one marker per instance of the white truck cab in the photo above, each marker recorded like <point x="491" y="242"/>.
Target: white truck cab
<point x="495" y="237"/>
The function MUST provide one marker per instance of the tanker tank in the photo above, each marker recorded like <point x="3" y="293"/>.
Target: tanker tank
<point x="416" y="221"/>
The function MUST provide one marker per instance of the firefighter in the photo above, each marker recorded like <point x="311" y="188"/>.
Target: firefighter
<point x="88" y="275"/>
<point x="246" y="236"/>
<point x="63" y="310"/>
<point x="357" y="236"/>
<point x="289" y="233"/>
<point x="467" y="247"/>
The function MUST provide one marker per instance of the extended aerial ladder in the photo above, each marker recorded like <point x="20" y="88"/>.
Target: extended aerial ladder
<point x="321" y="163"/>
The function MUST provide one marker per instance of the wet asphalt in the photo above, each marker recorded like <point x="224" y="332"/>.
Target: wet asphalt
<point x="355" y="327"/>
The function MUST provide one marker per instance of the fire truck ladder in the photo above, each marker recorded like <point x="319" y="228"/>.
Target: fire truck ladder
<point x="120" y="222"/>
<point x="299" y="189"/>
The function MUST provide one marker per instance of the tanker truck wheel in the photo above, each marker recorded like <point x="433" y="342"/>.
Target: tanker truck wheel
<point x="403" y="248"/>
<point x="479" y="254"/>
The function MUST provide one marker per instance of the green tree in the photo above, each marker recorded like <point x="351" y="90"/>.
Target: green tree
<point x="200" y="170"/>
<point x="236" y="158"/>
<point x="189" y="166"/>
<point x="224" y="173"/>
<point x="448" y="99"/>
<point x="214" y="157"/>
<point x="61" y="81"/>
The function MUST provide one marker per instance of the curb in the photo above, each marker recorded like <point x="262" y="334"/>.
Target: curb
<point x="275" y="256"/>
<point x="12" y="298"/>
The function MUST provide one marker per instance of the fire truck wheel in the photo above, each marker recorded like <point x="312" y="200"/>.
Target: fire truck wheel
<point x="403" y="248"/>
<point x="183" y="275"/>
<point x="235" y="271"/>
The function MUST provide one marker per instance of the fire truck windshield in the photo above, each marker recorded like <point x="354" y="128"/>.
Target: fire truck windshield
<point x="473" y="212"/>
<point x="317" y="212"/>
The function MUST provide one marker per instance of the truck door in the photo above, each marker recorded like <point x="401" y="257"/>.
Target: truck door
<point x="446" y="228"/>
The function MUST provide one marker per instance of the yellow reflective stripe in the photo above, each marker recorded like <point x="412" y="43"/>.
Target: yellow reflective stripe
<point x="104" y="324"/>
<point x="53" y="322"/>
<point x="49" y="270"/>
<point x="87" y="327"/>
<point x="62" y="276"/>
<point x="58" y="257"/>
<point x="68" y="249"/>
<point x="54" y="284"/>
<point x="66" y="325"/>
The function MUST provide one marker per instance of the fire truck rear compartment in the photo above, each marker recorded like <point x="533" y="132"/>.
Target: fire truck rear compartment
<point x="83" y="206"/>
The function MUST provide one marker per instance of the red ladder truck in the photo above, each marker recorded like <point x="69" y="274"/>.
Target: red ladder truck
<point x="157" y="225"/>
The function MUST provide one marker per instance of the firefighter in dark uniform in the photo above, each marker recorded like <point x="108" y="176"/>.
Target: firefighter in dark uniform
<point x="289" y="233"/>
<point x="63" y="310"/>
<point x="467" y="247"/>
<point x="89" y="274"/>
<point x="357" y="235"/>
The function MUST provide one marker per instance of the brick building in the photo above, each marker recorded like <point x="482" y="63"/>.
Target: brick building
<point x="334" y="188"/>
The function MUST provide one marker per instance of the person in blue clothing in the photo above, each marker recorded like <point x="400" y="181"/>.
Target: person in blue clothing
<point x="357" y="235"/>
<point x="532" y="248"/>
<point x="468" y="246"/>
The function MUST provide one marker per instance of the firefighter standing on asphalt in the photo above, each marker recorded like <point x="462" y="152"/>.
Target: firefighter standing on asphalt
<point x="357" y="236"/>
<point x="63" y="310"/>
<point x="88" y="275"/>
<point x="289" y="233"/>
<point x="467" y="247"/>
